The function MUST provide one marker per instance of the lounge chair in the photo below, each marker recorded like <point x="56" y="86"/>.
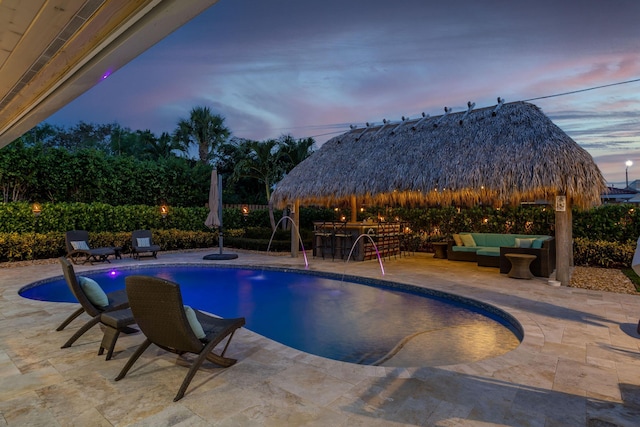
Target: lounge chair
<point x="142" y="242"/>
<point x="115" y="301"/>
<point x="159" y="312"/>
<point x="78" y="247"/>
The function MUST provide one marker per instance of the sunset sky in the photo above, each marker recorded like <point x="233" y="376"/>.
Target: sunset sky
<point x="312" y="68"/>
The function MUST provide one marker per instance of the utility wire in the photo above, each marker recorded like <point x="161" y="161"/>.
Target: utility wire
<point x="342" y="125"/>
<point x="583" y="90"/>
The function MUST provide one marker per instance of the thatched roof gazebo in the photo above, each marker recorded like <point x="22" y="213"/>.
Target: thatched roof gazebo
<point x="496" y="156"/>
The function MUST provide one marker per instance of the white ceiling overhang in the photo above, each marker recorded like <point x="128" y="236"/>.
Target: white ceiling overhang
<point x="52" y="51"/>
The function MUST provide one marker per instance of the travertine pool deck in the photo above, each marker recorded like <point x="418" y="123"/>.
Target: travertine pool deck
<point x="579" y="363"/>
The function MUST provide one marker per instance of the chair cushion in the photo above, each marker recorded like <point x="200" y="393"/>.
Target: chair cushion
<point x="143" y="242"/>
<point x="94" y="292"/>
<point x="458" y="240"/>
<point x="193" y="322"/>
<point x="80" y="245"/>
<point x="467" y="240"/>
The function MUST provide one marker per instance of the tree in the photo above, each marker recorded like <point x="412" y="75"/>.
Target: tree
<point x="202" y="129"/>
<point x="262" y="162"/>
<point x="294" y="151"/>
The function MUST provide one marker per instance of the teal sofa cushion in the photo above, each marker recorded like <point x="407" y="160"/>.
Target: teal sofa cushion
<point x="489" y="251"/>
<point x="465" y="248"/>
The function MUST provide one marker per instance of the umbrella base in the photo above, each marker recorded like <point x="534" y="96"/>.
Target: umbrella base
<point x="220" y="257"/>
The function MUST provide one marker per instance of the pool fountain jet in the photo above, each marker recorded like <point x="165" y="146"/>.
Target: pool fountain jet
<point x="374" y="246"/>
<point x="304" y="253"/>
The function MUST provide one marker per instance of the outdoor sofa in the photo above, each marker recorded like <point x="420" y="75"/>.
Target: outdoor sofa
<point x="489" y="249"/>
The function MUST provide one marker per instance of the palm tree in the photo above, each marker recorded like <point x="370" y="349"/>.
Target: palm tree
<point x="203" y="129"/>
<point x="294" y="151"/>
<point x="262" y="162"/>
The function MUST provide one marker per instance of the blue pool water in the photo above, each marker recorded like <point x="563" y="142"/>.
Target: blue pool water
<point x="342" y="320"/>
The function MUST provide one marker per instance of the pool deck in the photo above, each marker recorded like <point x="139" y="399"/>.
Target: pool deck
<point x="578" y="365"/>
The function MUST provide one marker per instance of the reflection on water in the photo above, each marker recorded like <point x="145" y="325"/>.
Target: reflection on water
<point x="331" y="318"/>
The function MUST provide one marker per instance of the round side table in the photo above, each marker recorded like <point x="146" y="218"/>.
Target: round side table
<point x="520" y="265"/>
<point x="440" y="249"/>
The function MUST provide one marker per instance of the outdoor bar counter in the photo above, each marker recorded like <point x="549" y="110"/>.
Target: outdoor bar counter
<point x="335" y="239"/>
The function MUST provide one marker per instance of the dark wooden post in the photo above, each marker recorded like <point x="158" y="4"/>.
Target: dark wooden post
<point x="564" y="246"/>
<point x="295" y="229"/>
<point x="354" y="209"/>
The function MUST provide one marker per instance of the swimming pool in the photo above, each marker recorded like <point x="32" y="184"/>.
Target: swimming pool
<point x="353" y="320"/>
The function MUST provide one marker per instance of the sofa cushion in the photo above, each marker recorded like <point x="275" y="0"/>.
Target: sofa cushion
<point x="458" y="240"/>
<point x="488" y="250"/>
<point x="468" y="240"/>
<point x="537" y="243"/>
<point x="524" y="243"/>
<point x="464" y="248"/>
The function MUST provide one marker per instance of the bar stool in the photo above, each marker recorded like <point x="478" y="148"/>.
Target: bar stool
<point x="323" y="238"/>
<point x="344" y="239"/>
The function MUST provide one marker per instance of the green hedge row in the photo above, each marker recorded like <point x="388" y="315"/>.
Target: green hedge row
<point x="20" y="247"/>
<point x="99" y="217"/>
<point x="600" y="253"/>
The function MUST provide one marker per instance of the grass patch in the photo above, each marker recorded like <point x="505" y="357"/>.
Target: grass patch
<point x="635" y="279"/>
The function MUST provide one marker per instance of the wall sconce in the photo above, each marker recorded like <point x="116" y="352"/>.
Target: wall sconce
<point x="245" y="210"/>
<point x="343" y="218"/>
<point x="36" y="209"/>
<point x="164" y="210"/>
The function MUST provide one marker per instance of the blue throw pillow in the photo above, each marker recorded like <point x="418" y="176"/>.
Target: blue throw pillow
<point x="193" y="322"/>
<point x="537" y="244"/>
<point x="94" y="292"/>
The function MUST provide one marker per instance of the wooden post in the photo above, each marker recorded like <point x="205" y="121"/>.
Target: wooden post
<point x="564" y="245"/>
<point x="354" y="209"/>
<point x="295" y="229"/>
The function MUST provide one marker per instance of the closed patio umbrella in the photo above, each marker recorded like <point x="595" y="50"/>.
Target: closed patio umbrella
<point x="214" y="218"/>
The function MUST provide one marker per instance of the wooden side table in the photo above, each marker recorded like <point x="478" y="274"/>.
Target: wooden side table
<point x="440" y="249"/>
<point x="520" y="265"/>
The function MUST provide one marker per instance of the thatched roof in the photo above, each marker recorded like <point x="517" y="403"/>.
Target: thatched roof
<point x="498" y="155"/>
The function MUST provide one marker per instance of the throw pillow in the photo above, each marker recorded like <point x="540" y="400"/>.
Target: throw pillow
<point x="458" y="240"/>
<point x="80" y="245"/>
<point x="537" y="244"/>
<point x="467" y="240"/>
<point x="524" y="243"/>
<point x="196" y="327"/>
<point x="143" y="242"/>
<point x="94" y="292"/>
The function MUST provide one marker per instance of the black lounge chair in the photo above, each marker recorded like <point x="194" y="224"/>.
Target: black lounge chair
<point x="116" y="301"/>
<point x="142" y="242"/>
<point x="78" y="248"/>
<point x="159" y="312"/>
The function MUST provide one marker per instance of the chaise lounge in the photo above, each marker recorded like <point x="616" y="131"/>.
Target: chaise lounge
<point x="142" y="243"/>
<point x="78" y="248"/>
<point x="166" y="322"/>
<point x="96" y="304"/>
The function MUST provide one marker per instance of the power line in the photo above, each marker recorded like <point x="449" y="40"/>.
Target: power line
<point x="583" y="90"/>
<point x="343" y="125"/>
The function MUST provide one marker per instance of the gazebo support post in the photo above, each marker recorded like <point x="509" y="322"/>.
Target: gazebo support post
<point x="564" y="246"/>
<point x="354" y="208"/>
<point x="295" y="228"/>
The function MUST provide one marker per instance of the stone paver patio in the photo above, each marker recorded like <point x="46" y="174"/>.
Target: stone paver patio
<point x="579" y="363"/>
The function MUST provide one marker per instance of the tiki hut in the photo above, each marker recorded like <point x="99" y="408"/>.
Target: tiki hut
<point x="493" y="156"/>
<point x="500" y="155"/>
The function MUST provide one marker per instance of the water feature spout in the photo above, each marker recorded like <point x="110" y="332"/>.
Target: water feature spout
<point x="374" y="246"/>
<point x="304" y="253"/>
